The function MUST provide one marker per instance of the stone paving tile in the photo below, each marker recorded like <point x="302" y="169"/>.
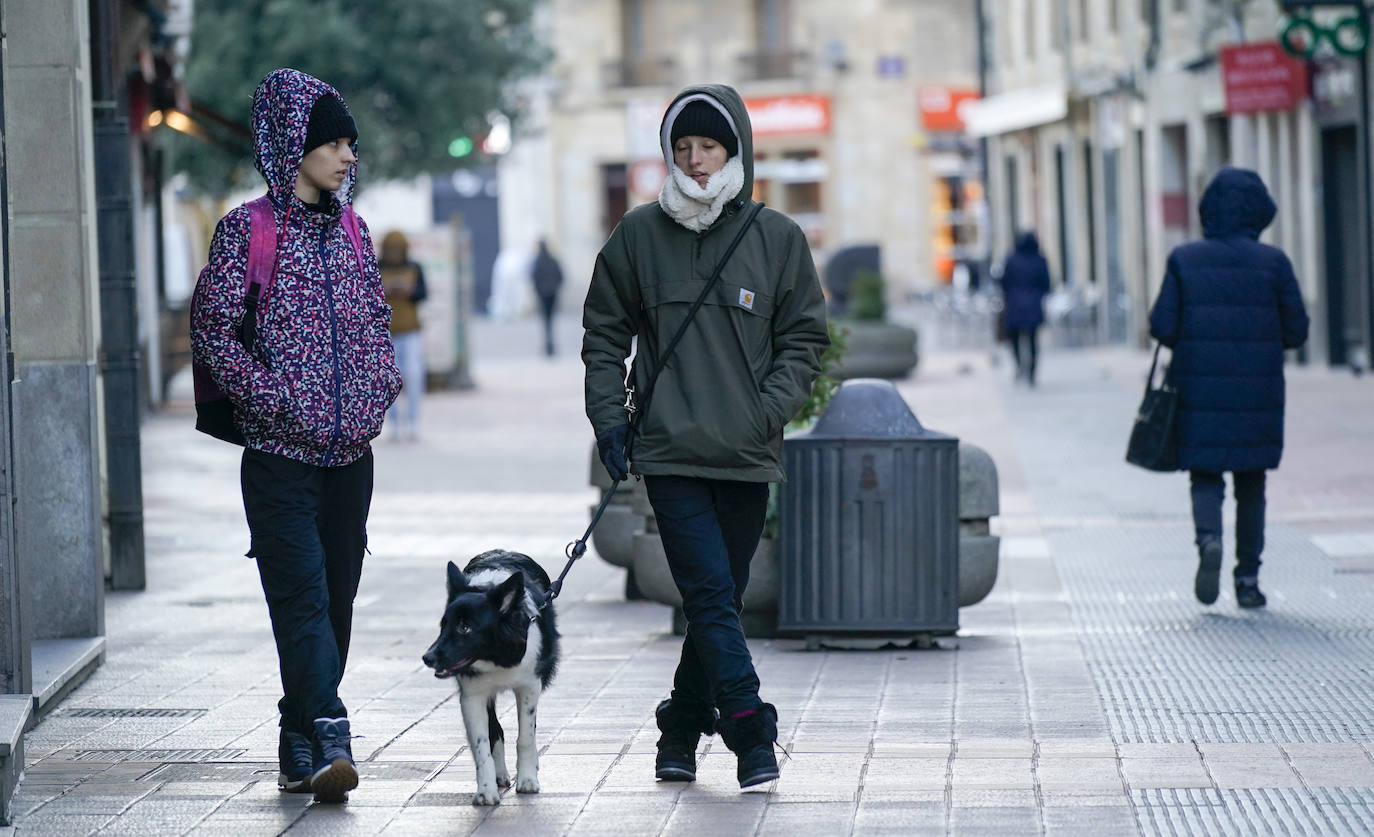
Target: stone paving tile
<point x="1089" y="822"/>
<point x="993" y="798"/>
<point x="1143" y="773"/>
<point x="980" y="773"/>
<point x="341" y="820"/>
<point x="1076" y="748"/>
<point x="1081" y="773"/>
<point x="974" y="748"/>
<point x="733" y="817"/>
<point x="906" y="818"/>
<point x="906" y="773"/>
<point x="1331" y="765"/>
<point x="791" y="819"/>
<point x="621" y="814"/>
<point x="992" y="820"/>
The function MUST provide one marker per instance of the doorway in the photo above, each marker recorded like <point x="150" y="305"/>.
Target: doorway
<point x="1344" y="239"/>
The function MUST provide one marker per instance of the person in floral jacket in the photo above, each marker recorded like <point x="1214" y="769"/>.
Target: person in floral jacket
<point x="308" y="398"/>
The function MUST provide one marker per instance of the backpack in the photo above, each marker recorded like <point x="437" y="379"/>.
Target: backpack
<point x="214" y="410"/>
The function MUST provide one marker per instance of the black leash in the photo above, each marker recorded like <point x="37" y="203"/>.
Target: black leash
<point x="577" y="548"/>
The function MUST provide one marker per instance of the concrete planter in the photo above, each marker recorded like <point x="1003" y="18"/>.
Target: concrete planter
<point x="628" y="533"/>
<point x="613" y="537"/>
<point x="877" y="349"/>
<point x="978" y="502"/>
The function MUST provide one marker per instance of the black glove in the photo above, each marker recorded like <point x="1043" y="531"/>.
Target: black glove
<point x="611" y="446"/>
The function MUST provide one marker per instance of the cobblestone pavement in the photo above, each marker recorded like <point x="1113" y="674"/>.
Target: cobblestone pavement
<point x="1089" y="695"/>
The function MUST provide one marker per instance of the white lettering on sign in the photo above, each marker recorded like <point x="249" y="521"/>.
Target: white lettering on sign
<point x="789" y="115"/>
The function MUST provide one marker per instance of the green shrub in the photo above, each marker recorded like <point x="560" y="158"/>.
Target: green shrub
<point x="826" y="383"/>
<point x="867" y="300"/>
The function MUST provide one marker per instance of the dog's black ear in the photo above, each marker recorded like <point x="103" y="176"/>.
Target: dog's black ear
<point x="508" y="592"/>
<point x="456" y="580"/>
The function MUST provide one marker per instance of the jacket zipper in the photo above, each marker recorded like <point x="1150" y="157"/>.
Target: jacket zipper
<point x="334" y="339"/>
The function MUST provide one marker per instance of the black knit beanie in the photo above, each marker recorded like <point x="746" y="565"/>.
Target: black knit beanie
<point x="328" y="121"/>
<point x="701" y="119"/>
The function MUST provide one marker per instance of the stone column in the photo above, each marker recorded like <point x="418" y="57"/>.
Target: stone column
<point x="55" y="308"/>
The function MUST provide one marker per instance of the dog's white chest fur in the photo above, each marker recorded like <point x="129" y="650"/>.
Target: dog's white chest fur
<point x="477" y="691"/>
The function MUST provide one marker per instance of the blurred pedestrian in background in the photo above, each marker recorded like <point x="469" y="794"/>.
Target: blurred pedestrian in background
<point x="710" y="438"/>
<point x="548" y="278"/>
<point x="1228" y="308"/>
<point x="308" y="399"/>
<point x="404" y="282"/>
<point x="1025" y="282"/>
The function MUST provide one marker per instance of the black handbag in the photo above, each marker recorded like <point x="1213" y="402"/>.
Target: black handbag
<point x="1154" y="438"/>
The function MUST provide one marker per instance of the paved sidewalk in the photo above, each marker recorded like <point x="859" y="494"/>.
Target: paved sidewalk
<point x="1089" y="695"/>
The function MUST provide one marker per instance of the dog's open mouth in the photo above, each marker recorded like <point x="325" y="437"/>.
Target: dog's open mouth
<point x="453" y="669"/>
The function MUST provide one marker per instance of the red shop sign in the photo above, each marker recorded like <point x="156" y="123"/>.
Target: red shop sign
<point x="774" y="115"/>
<point x="1261" y="77"/>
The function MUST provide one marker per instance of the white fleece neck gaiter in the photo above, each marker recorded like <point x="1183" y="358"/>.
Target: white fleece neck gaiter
<point x="697" y="207"/>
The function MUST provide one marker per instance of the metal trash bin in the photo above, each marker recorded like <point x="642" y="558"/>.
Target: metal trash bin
<point x="869" y="542"/>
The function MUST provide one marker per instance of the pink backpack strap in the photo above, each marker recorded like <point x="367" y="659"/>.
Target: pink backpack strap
<point x="262" y="248"/>
<point x="350" y="225"/>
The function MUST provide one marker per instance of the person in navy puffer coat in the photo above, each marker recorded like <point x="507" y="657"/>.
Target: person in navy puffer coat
<point x="1025" y="282"/>
<point x="1229" y="307"/>
<point x="308" y="398"/>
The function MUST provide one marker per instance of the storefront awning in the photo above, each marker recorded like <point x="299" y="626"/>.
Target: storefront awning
<point x="1015" y="110"/>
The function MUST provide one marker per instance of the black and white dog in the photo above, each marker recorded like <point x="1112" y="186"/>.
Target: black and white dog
<point x="495" y="637"/>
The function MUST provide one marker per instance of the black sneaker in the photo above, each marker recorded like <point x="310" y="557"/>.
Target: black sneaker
<point x="296" y="761"/>
<point x="1206" y="585"/>
<point x="335" y="775"/>
<point x="1248" y="593"/>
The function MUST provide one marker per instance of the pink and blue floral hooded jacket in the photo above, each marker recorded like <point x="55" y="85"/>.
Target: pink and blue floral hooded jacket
<point x="322" y="371"/>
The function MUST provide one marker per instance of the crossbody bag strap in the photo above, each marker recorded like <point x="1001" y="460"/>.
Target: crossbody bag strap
<point x="682" y="329"/>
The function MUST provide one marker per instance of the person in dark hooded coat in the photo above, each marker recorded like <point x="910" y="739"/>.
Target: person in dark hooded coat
<point x="1228" y="308"/>
<point x="1025" y="282"/>
<point x="547" y="277"/>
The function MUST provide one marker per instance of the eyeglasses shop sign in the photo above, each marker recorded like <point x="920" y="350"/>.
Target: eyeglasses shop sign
<point x="1261" y="77"/>
<point x="776" y="115"/>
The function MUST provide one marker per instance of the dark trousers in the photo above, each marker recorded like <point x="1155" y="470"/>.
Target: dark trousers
<point x="1025" y="364"/>
<point x="710" y="529"/>
<point x="1208" y="492"/>
<point x="546" y="306"/>
<point x="309" y="531"/>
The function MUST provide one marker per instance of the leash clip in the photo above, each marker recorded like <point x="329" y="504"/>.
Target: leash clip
<point x="629" y="404"/>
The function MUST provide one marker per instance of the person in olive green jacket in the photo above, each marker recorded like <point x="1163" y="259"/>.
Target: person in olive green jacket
<point x="710" y="438"/>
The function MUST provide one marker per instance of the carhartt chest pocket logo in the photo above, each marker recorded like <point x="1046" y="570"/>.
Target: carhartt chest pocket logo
<point x="746" y="299"/>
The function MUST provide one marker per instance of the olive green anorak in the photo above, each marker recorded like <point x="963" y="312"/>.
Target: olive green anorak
<point x="746" y="363"/>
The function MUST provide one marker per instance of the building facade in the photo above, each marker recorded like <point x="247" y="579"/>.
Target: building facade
<point x="70" y="489"/>
<point x="835" y="97"/>
<point x="1106" y="119"/>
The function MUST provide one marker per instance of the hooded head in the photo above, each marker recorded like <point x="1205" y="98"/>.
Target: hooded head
<point x="395" y="248"/>
<point x="1236" y="202"/>
<point x="281" y="118"/>
<point x="729" y="107"/>
<point x="1027" y="244"/>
